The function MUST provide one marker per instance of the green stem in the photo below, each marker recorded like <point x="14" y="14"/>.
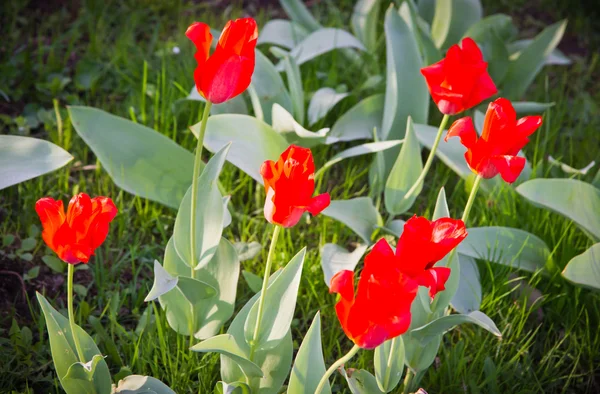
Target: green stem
<point x="335" y="366"/>
<point x="263" y="291"/>
<point x="197" y="161"/>
<point x="390" y="360"/>
<point x="471" y="199"/>
<point x="408" y="381"/>
<point x="430" y="158"/>
<point x="72" y="325"/>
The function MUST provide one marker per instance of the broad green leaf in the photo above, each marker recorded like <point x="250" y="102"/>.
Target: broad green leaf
<point x="236" y="105"/>
<point x="322" y="41"/>
<point x="495" y="53"/>
<point x="309" y="365"/>
<point x="282" y="32"/>
<point x="163" y="282"/>
<point x="64" y="354"/>
<point x="467" y="297"/>
<point x="584" y="269"/>
<point x="357" y="213"/>
<point x="567" y="169"/>
<point x="426" y="10"/>
<point x="294" y="81"/>
<point x="54" y="263"/>
<point x="139" y="160"/>
<point x="394" y="227"/>
<point x="138" y="384"/>
<point x="523" y="70"/>
<point x="363" y="149"/>
<point x="209" y="215"/>
<point x="577" y="200"/>
<point x="430" y="53"/>
<point x="254" y="281"/>
<point x="226" y="344"/>
<point x="418" y="355"/>
<point x="321" y="102"/>
<point x="364" y="20"/>
<point x="232" y="388"/>
<point x="452" y="19"/>
<point x="252" y="141"/>
<point x="281" y="301"/>
<point x="298" y="13"/>
<point x="443" y="324"/>
<point x="205" y="317"/>
<point x="247" y="251"/>
<point x="360" y="381"/>
<point x="360" y="121"/>
<point x="275" y="363"/>
<point x="335" y="258"/>
<point x="507" y="246"/>
<point x="529" y="107"/>
<point x="556" y="57"/>
<point x="405" y="94"/>
<point x="389" y="364"/>
<point x="269" y="86"/>
<point x="499" y="24"/>
<point x="404" y="174"/>
<point x="84" y="372"/>
<point x="285" y="124"/>
<point x="23" y="158"/>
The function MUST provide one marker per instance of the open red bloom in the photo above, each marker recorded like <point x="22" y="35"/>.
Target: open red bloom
<point x="389" y="281"/>
<point x="76" y="235"/>
<point x="502" y="138"/>
<point x="228" y="71"/>
<point x="289" y="184"/>
<point x="459" y="81"/>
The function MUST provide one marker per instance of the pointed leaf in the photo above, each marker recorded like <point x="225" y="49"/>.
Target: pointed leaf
<point x="365" y="18"/>
<point x="138" y="384"/>
<point x="143" y="162"/>
<point x="360" y="381"/>
<point x="389" y="364"/>
<point x="452" y="19"/>
<point x="84" y="371"/>
<point x="363" y="149"/>
<point x="322" y="41"/>
<point x="322" y="102"/>
<point x="357" y="213"/>
<point x="163" y="282"/>
<point x="247" y="251"/>
<point x="556" y="57"/>
<point x="232" y="388"/>
<point x="298" y="13"/>
<point x="446" y="323"/>
<point x="285" y="124"/>
<point x="584" y="270"/>
<point x="335" y="258"/>
<point x="284" y="33"/>
<point x="236" y="105"/>
<point x="226" y="344"/>
<point x="254" y="281"/>
<point x="269" y="86"/>
<point x="467" y="297"/>
<point x="360" y="121"/>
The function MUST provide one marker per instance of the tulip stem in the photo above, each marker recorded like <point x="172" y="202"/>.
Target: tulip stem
<point x="197" y="161"/>
<point x="471" y="199"/>
<point x="263" y="291"/>
<point x="430" y="158"/>
<point x="335" y="366"/>
<point x="72" y="325"/>
<point x="408" y="381"/>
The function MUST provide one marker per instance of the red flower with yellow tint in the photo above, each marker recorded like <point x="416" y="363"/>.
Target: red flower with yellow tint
<point x="228" y="71"/>
<point x="388" y="284"/>
<point x="74" y="236"/>
<point x="459" y="81"/>
<point x="502" y="138"/>
<point x="289" y="184"/>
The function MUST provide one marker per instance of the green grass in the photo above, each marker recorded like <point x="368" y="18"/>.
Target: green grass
<point x="550" y="344"/>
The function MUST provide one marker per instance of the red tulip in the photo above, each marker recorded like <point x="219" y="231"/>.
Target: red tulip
<point x="389" y="281"/>
<point x="459" y="81"/>
<point x="502" y="138"/>
<point x="75" y="236"/>
<point x="289" y="184"/>
<point x="228" y="71"/>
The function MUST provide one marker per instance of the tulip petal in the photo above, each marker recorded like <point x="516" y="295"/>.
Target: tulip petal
<point x="510" y="167"/>
<point x="528" y="125"/>
<point x="500" y="117"/>
<point x="52" y="216"/>
<point x="435" y="279"/>
<point x="199" y="34"/>
<point x="465" y="130"/>
<point x="470" y="50"/>
<point x="318" y="203"/>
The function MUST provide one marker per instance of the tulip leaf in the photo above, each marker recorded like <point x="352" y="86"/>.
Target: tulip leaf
<point x="322" y="101"/>
<point x="23" y="158"/>
<point x="577" y="200"/>
<point x="467" y="297"/>
<point x="529" y="107"/>
<point x="226" y="344"/>
<point x="163" y="282"/>
<point x="418" y="355"/>
<point x="275" y="363"/>
<point x="430" y="53"/>
<point x="236" y="105"/>
<point x="281" y="300"/>
<point x="567" y="169"/>
<point x="394" y="227"/>
<point x="285" y="124"/>
<point x="507" y="246"/>
<point x="584" y="269"/>
<point x="556" y="57"/>
<point x="139" y="160"/>
<point x="404" y="174"/>
<point x="499" y="24"/>
<point x="452" y="19"/>
<point x="209" y="214"/>
<point x="298" y="13"/>
<point x="247" y="251"/>
<point x="335" y="258"/>
<point x="309" y="365"/>
<point x="252" y="141"/>
<point x="389" y="363"/>
<point x="357" y="213"/>
<point x="202" y="316"/>
<point x="294" y="80"/>
<point x="524" y="68"/>
<point x="65" y="357"/>
<point x="269" y="86"/>
<point x="284" y="33"/>
<point x="361" y="381"/>
<point x="254" y="281"/>
<point x="363" y="149"/>
<point x="364" y="20"/>
<point x="138" y="384"/>
<point x="359" y="121"/>
<point x="322" y="41"/>
<point x="443" y="324"/>
<point x="232" y="388"/>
